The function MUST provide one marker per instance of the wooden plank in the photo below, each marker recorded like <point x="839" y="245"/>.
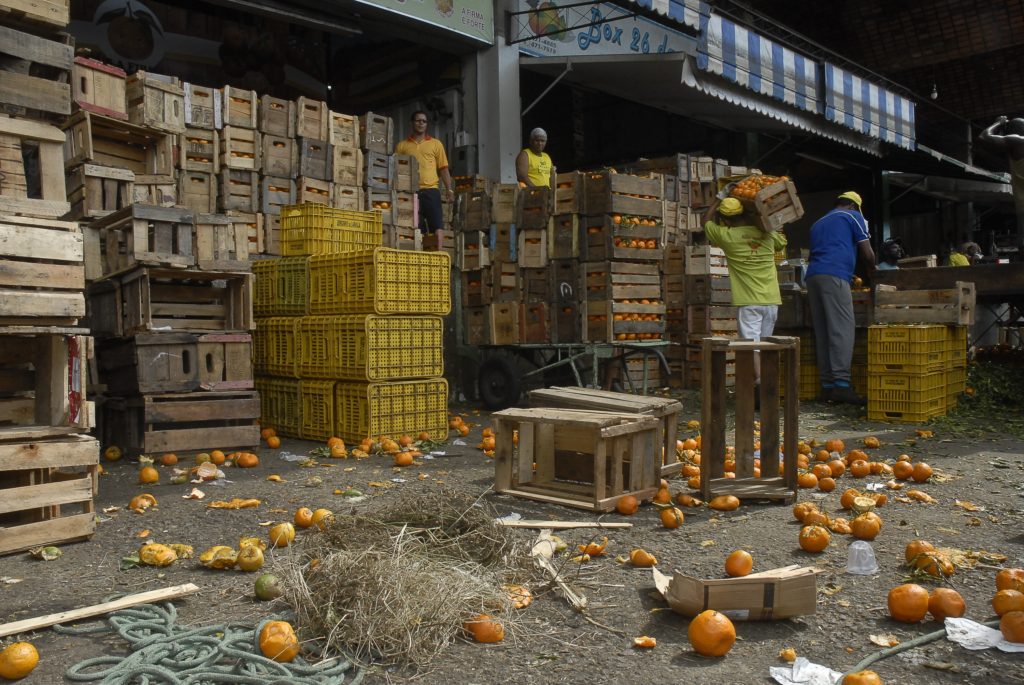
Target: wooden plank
<point x="504" y="451"/>
<point x="51" y="532"/>
<point x="202" y="438"/>
<point x="991" y="281"/>
<point x="744" y="414"/>
<point x="240" y="406"/>
<point x="51" y="13"/>
<point x="35" y="49"/>
<point x="560" y="525"/>
<point x="149" y="597"/>
<point x="524" y="470"/>
<point x="46" y="495"/>
<point x="27" y="303"/>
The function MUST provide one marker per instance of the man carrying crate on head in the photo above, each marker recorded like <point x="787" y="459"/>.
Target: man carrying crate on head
<point x="750" y="253"/>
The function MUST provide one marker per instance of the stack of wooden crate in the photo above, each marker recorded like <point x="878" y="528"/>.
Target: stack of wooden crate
<point x="348" y="334"/>
<point x="171" y="302"/>
<point x="48" y="465"/>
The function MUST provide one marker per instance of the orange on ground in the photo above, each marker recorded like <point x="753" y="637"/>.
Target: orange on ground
<point x="945" y="602"/>
<point x="711" y="633"/>
<point x="739" y="563"/>
<point x="908" y="603"/>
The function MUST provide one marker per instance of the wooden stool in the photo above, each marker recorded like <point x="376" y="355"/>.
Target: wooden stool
<point x="713" y="414"/>
<point x="663" y="408"/>
<point x="584" y="459"/>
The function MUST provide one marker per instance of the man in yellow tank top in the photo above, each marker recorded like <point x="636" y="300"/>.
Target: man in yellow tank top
<point x="533" y="165"/>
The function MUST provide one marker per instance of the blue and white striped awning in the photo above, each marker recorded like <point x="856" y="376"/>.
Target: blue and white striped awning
<point x="760" y="64"/>
<point x="688" y="12"/>
<point x="858" y="104"/>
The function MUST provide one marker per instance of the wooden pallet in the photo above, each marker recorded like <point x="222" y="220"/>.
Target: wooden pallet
<point x="276" y="117"/>
<point x="407" y="174"/>
<point x="504" y="200"/>
<point x="532" y="249"/>
<point x="584" y="459"/>
<point x="568" y="194"/>
<point x="953" y="306"/>
<point x="176" y="362"/>
<point x="182" y="421"/>
<point x="47" y="485"/>
<point x="251" y="224"/>
<point x="313" y="190"/>
<point x="378" y="170"/>
<point x="473" y="252"/>
<point x="563" y="236"/>
<point x="612" y="320"/>
<point x="776" y="205"/>
<point x="95" y="191"/>
<point x="473" y="212"/>
<point x="534" y="208"/>
<point x="154" y="299"/>
<point x="220" y="244"/>
<point x="534" y="323"/>
<point x="705" y="260"/>
<point x="156" y="101"/>
<point x="348" y="197"/>
<point x="143" y="235"/>
<point x="15" y="134"/>
<point x="42" y="272"/>
<point x="36" y="74"/>
<point x="42" y="377"/>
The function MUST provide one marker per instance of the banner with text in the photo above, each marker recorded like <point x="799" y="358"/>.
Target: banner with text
<point x="473" y="18"/>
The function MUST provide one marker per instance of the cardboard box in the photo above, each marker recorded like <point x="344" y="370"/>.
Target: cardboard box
<point x="777" y="593"/>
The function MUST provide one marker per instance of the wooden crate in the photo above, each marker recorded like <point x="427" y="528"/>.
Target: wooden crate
<point x="563" y="236"/>
<point x="568" y="194"/>
<point x="312" y="119"/>
<point x="532" y="248"/>
<point x="152" y="299"/>
<point x="407" y="174"/>
<point x="347" y="166"/>
<point x="239" y="107"/>
<point x="275" y="193"/>
<point x="775" y="206"/>
<point x="343" y="131"/>
<point x="378" y="170"/>
<point x="534" y="208"/>
<point x="240" y="148"/>
<point x="35" y="74"/>
<point x="276" y="117"/>
<point x="504" y="200"/>
<point x="46" y="14"/>
<point x="711" y="319"/>
<point x="251" y="224"/>
<point x="156" y="101"/>
<point x="477" y="326"/>
<point x="238" y="190"/>
<point x="609" y="320"/>
<point x="376" y="133"/>
<point x="383" y="201"/>
<point x="404" y="211"/>
<point x="534" y="285"/>
<point x="953" y="306"/>
<point x="143" y="235"/>
<point x="705" y="260"/>
<point x="476" y="288"/>
<point x="474" y="251"/>
<point x="473" y="211"/>
<point x="315" y="159"/>
<point x="503" y="323"/>
<point x="665" y="409"/>
<point x="503" y="242"/>
<point x="42" y="273"/>
<point x="44" y="371"/>
<point x="220" y="243"/>
<point x="312" y="190"/>
<point x="96" y="191"/>
<point x="17" y="135"/>
<point x="624" y="194"/>
<point x="279" y="155"/>
<point x="774" y="353"/>
<point x="182" y="421"/>
<point x="197" y="191"/>
<point x="47" y="487"/>
<point x="504" y="281"/>
<point x="473" y="183"/>
<point x="110" y="142"/>
<point x="199" y="150"/>
<point x="202" y="106"/>
<point x="161" y="191"/>
<point x="584" y="459"/>
<point x="402" y="238"/>
<point x="601" y="240"/>
<point x="99" y="88"/>
<point x="347" y="197"/>
<point x="620" y="281"/>
<point x="225" y="361"/>
<point x="708" y="289"/>
<point x="534" y="323"/>
<point x="272" y="234"/>
<point x="149" y="363"/>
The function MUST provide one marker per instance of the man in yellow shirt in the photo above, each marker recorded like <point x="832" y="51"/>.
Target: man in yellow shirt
<point x="433" y="167"/>
<point x="534" y="168"/>
<point x="750" y="252"/>
<point x="970" y="253"/>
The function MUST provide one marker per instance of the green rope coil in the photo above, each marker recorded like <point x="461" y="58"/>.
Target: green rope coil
<point x="164" y="653"/>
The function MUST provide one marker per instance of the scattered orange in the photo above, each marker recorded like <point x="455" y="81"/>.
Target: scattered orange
<point x="148" y="474"/>
<point x="281" y="535"/>
<point x="860" y="468"/>
<point x="801" y="510"/>
<point x="424" y="436"/>
<point x="246" y="460"/>
<point x="815" y="518"/>
<point x="267" y="433"/>
<point x="485" y="629"/>
<point x="642" y="559"/>
<point x="846" y="501"/>
<point x="335" y="441"/>
<point x="403" y="459"/>
<point x="725" y="503"/>
<point x="321" y="517"/>
<point x="1011" y="625"/>
<point x="112" y="453"/>
<point x="915" y="548"/>
<point x="902" y="470"/>
<point x="18" y="660"/>
<point x="594" y="549"/>
<point x="835" y="446"/>
<point x="827" y="484"/>
<point x="814" y="538"/>
<point x="273" y="442"/>
<point x="908" y="603"/>
<point x="739" y="563"/>
<point x="278" y="641"/>
<point x="1010" y="579"/>
<point x="862" y="678"/>
<point x="1007" y="600"/>
<point x="922" y="472"/>
<point x="866" y="526"/>
<point x="945" y="602"/>
<point x="303" y="517"/>
<point x="807" y="480"/>
<point x="871" y="442"/>
<point x="671" y="517"/>
<point x="627" y="506"/>
<point x="217" y="457"/>
<point x="169" y="459"/>
<point x="711" y="633"/>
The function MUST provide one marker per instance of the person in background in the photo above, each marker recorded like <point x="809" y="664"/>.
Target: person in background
<point x="534" y="168"/>
<point x="433" y="169"/>
<point x="750" y="252"/>
<point x="836" y="240"/>
<point x="969" y="253"/>
<point x="891" y="253"/>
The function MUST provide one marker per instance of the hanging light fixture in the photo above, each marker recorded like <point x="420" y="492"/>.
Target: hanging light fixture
<point x="935" y="91"/>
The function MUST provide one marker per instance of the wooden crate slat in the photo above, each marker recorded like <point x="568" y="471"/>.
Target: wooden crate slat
<point x="19" y="88"/>
<point x="47" y="13"/>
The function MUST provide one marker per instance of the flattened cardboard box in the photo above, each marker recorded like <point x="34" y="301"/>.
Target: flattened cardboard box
<point x="768" y="595"/>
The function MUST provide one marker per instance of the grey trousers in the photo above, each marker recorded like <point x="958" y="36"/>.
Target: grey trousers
<point x="834" y="328"/>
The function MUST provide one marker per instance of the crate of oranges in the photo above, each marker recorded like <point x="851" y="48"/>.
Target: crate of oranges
<point x="770" y="200"/>
<point x="613" y="236"/>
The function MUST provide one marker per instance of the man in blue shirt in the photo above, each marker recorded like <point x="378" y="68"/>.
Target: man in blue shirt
<point x="836" y="240"/>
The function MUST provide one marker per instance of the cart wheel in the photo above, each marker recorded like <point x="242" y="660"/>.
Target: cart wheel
<point x="499" y="383"/>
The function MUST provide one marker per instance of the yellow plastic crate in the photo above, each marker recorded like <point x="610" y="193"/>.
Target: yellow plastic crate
<point x="392" y="409"/>
<point x="279" y="404"/>
<point x="956" y="345"/>
<point x="316" y="410"/>
<point x="275" y="348"/>
<point x="956" y="379"/>
<point x="906" y="397"/>
<point x="906" y="349"/>
<point x="367" y="347"/>
<point x="282" y="286"/>
<point x="312" y="228"/>
<point x="380" y="281"/>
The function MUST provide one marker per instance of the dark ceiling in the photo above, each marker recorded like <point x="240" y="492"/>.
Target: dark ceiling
<point x="971" y="51"/>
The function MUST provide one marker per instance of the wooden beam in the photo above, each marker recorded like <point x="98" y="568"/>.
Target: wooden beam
<point x="991" y="281"/>
<point x="561" y="525"/>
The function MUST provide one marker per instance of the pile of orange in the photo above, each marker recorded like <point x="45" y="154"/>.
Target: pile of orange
<point x="749" y="187"/>
<point x="636" y="244"/>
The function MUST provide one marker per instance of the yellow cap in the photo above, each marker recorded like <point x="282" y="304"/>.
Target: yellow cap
<point x="851" y="195"/>
<point x="730" y="207"/>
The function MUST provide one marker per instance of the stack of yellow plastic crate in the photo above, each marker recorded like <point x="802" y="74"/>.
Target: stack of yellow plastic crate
<point x="349" y="334"/>
<point x="907" y="372"/>
<point x="956" y="364"/>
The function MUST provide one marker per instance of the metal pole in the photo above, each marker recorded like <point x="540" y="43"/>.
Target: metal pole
<point x="568" y="68"/>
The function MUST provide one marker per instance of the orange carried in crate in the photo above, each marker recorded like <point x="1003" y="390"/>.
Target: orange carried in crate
<point x="770" y="200"/>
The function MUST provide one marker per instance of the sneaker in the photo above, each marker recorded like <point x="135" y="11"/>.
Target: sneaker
<point x="846" y="395"/>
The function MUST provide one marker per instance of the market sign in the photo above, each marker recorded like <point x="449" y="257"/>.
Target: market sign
<point x="473" y="18"/>
<point x="545" y="32"/>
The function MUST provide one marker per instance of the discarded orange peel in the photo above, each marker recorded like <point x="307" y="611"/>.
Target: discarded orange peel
<point x="235" y="503"/>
